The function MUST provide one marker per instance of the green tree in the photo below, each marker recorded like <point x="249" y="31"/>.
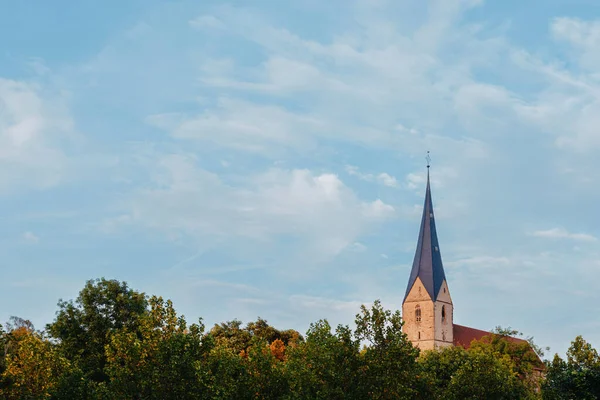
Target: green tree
<point x="510" y="332"/>
<point x="437" y="368"/>
<point x="15" y="324"/>
<point x="390" y="358"/>
<point x="83" y="327"/>
<point x="253" y="373"/>
<point x="485" y="375"/>
<point x="266" y="377"/>
<point x="326" y="365"/>
<point x="455" y="373"/>
<point x="32" y="365"/>
<point x="225" y="375"/>
<point x="576" y="378"/>
<point x="16" y="328"/>
<point x="262" y="330"/>
<point x="3" y="354"/>
<point x="523" y="354"/>
<point x="231" y="334"/>
<point x="159" y="358"/>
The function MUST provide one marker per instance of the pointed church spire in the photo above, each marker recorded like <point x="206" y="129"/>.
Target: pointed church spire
<point x="427" y="265"/>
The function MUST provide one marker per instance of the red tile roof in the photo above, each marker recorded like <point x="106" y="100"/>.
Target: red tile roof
<point x="463" y="336"/>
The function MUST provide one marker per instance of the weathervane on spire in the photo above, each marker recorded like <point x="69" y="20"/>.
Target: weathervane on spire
<point x="428" y="159"/>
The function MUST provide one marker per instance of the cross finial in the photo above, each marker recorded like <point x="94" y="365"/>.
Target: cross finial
<point x="428" y="159"/>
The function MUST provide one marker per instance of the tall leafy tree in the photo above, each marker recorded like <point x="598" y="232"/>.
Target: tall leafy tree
<point x="266" y="378"/>
<point x="32" y="365"/>
<point x="83" y="327"/>
<point x="576" y="378"/>
<point x="226" y="376"/>
<point x="159" y="358"/>
<point x="243" y="363"/>
<point x="523" y="354"/>
<point x="390" y="357"/>
<point x="487" y="376"/>
<point x="326" y="366"/>
<point x="455" y="373"/>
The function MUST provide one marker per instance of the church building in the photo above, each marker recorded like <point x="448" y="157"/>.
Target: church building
<point x="427" y="309"/>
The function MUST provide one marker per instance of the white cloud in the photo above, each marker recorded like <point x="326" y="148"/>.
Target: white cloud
<point x="569" y="105"/>
<point x="378" y="209"/>
<point x="480" y="262"/>
<point x="387" y="180"/>
<point x="243" y="126"/>
<point x="383" y="178"/>
<point x="286" y="74"/>
<point x="318" y="209"/>
<point x="358" y="247"/>
<point x="379" y="74"/>
<point x="30" y="237"/>
<point x="32" y="127"/>
<point x="440" y="177"/>
<point x="584" y="36"/>
<point x="561" y="233"/>
<point x="206" y="21"/>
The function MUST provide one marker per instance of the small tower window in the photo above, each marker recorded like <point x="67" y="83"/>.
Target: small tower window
<point x="418" y="313"/>
<point x="443" y="313"/>
<point x="443" y="336"/>
<point x="419" y="335"/>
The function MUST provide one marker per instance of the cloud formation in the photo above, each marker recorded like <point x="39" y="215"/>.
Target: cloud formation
<point x="560" y="233"/>
<point x="33" y="127"/>
<point x="382" y="178"/>
<point x="30" y="237"/>
<point x="319" y="208"/>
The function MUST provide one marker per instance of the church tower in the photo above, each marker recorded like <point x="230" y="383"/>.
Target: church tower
<point x="427" y="308"/>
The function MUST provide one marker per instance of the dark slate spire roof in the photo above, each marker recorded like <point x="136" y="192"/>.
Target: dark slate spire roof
<point x="427" y="264"/>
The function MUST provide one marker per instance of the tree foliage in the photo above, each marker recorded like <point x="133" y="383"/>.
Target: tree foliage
<point x="156" y="358"/>
<point x="326" y="366"/>
<point x="522" y="354"/>
<point x="83" y="327"/>
<point x="576" y="378"/>
<point x="113" y="342"/>
<point x="389" y="355"/>
<point x="31" y="364"/>
<point x="480" y="373"/>
<point x="232" y="335"/>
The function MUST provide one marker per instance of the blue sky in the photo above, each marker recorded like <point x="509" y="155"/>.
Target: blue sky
<point x="268" y="159"/>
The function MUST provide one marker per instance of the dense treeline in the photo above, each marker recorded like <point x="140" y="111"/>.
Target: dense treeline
<point x="115" y="343"/>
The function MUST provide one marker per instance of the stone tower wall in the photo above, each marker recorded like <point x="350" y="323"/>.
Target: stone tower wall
<point x="444" y="328"/>
<point x="430" y="332"/>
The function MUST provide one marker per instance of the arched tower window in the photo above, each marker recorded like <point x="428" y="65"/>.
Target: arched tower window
<point x="418" y="313"/>
<point x="443" y="313"/>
